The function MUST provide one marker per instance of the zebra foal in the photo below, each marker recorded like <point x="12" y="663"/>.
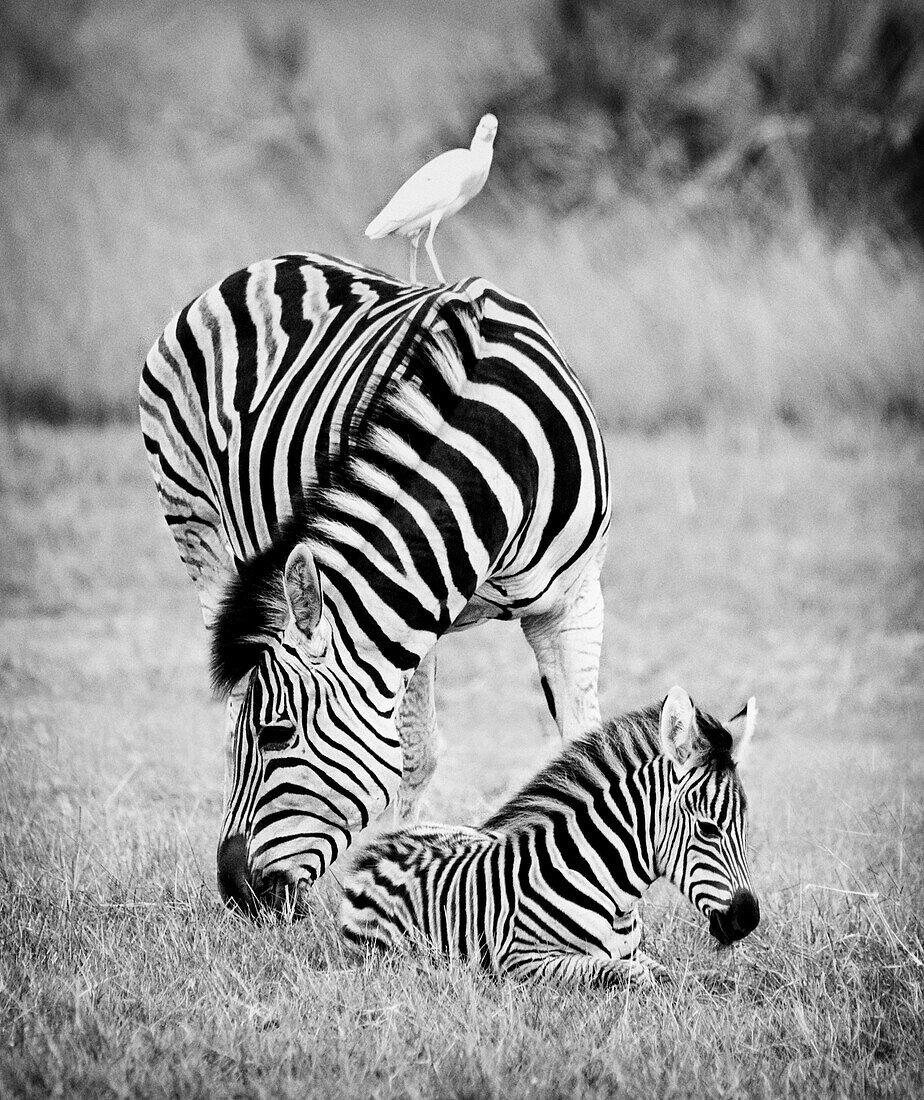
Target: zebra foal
<point x="548" y="886"/>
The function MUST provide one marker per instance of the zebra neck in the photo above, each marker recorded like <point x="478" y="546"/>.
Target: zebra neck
<point x="646" y="791"/>
<point x="605" y="837"/>
<point x="383" y="632"/>
<point x="630" y="855"/>
<point x="394" y="603"/>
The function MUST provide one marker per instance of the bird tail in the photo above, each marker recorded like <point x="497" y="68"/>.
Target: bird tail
<point x="380" y="226"/>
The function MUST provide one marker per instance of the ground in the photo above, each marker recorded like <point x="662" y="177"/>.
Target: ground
<point x="754" y="560"/>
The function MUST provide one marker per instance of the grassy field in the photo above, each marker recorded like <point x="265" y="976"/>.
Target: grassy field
<point x="797" y="576"/>
<point x="756" y="354"/>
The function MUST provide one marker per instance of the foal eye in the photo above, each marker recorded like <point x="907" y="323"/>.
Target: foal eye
<point x="275" y="737"/>
<point x="708" y="829"/>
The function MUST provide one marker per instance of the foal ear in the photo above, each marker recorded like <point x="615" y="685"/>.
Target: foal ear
<point x="742" y="734"/>
<point x="679" y="733"/>
<point x="303" y="590"/>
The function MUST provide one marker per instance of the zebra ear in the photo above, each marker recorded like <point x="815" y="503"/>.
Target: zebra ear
<point x="303" y="590"/>
<point x="678" y="727"/>
<point x="741" y="735"/>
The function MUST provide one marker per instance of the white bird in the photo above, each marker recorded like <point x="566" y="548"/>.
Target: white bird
<point x="443" y="186"/>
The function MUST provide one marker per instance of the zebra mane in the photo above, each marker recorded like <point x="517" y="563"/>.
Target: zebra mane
<point x="612" y="750"/>
<point x="430" y="372"/>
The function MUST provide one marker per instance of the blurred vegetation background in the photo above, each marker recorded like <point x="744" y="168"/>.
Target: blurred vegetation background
<point x="717" y="205"/>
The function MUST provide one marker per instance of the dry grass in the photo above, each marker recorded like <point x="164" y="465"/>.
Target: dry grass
<point x="153" y="148"/>
<point x="668" y="322"/>
<point x="797" y="576"/>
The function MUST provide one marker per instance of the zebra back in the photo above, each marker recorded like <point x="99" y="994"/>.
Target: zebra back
<point x="303" y="395"/>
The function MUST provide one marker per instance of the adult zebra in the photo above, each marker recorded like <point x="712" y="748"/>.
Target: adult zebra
<point x="549" y="885"/>
<point x="350" y="467"/>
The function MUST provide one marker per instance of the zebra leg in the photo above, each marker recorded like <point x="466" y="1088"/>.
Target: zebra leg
<point x="205" y="553"/>
<point x="209" y="585"/>
<point x="572" y="969"/>
<point x="186" y="496"/>
<point x="232" y="710"/>
<point x="419" y="740"/>
<point x="567" y="644"/>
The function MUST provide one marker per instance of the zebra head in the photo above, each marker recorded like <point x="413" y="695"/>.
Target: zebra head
<point x="314" y="756"/>
<point x="703" y="839"/>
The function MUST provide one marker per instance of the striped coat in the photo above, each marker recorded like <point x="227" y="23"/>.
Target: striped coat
<point x="352" y="466"/>
<point x="549" y="885"/>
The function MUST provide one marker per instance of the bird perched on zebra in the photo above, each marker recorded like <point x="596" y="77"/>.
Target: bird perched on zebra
<point x="548" y="886"/>
<point x="350" y="468"/>
<point x="435" y="191"/>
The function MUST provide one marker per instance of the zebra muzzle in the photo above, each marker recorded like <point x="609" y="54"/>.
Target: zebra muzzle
<point x="737" y="921"/>
<point x="234" y="880"/>
<point x="280" y="894"/>
<point x="253" y="895"/>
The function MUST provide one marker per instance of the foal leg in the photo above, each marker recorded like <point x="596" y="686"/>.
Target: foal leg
<point x="210" y="585"/>
<point x="568" y="968"/>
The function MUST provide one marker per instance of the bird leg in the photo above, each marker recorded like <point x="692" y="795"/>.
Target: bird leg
<point x="434" y="222"/>
<point x="415" y="242"/>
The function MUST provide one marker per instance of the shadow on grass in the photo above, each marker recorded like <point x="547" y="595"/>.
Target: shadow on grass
<point x="43" y="401"/>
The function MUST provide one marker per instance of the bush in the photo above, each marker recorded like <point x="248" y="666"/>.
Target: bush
<point x="37" y="57"/>
<point x="773" y="104"/>
<point x="677" y="151"/>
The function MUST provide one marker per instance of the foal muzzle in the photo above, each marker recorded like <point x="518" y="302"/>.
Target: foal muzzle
<point x="737" y="921"/>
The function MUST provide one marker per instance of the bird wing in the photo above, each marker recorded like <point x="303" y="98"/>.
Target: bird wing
<point x="437" y="184"/>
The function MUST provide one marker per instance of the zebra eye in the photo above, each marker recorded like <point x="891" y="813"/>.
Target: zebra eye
<point x="275" y="737"/>
<point x="708" y="829"/>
